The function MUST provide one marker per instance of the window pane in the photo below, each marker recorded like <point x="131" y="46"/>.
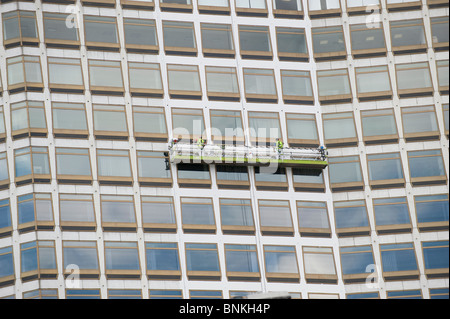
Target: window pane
<point x="344" y="172"/>
<point x="140" y="32"/>
<point x="55" y="27"/>
<point x="162" y="256"/>
<point x="393" y="211"/>
<point x="297" y="83"/>
<point x="339" y="126"/>
<point x="105" y="73"/>
<point x="413" y="76"/>
<point x="373" y="79"/>
<point x="183" y="78"/>
<point x="351" y="214"/>
<point x="334" y="82"/>
<point x="118" y="209"/>
<point x="259" y="81"/>
<point x="377" y="123"/>
<point x="197" y="211"/>
<point x="158" y="210"/>
<point x="275" y="214"/>
<point x="153" y="165"/>
<point x="385" y="166"/>
<point x="110" y="118"/>
<point x="366" y="38"/>
<point x="6" y="262"/>
<point x="356" y="259"/>
<point x="313" y="215"/>
<point x="241" y="258"/>
<point x="318" y="261"/>
<point x="145" y="76"/>
<point x="419" y="120"/>
<point x="73" y="162"/>
<point x="223" y="80"/>
<point x="280" y="259"/>
<point x="254" y="38"/>
<point x="217" y="36"/>
<point x="76" y="208"/>
<point x="100" y="29"/>
<point x="330" y="39"/>
<point x="432" y="208"/>
<point x="113" y="163"/>
<point x="121" y="256"/>
<point x="179" y="34"/>
<point x="5" y="214"/>
<point x="82" y="254"/>
<point x="236" y="212"/>
<point x="435" y="254"/>
<point x="406" y="33"/>
<point x="202" y="257"/>
<point x="69" y="116"/>
<point x="28" y="256"/>
<point x="398" y="257"/>
<point x="426" y="163"/>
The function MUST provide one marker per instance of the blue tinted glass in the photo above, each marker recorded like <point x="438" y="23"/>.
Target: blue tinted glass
<point x="122" y="259"/>
<point x="426" y="166"/>
<point x="202" y="260"/>
<point x="391" y="214"/>
<point x="428" y="212"/>
<point x="399" y="260"/>
<point x="356" y="263"/>
<point x="5" y="214"/>
<point x="363" y="295"/>
<point x="162" y="259"/>
<point x="26" y="212"/>
<point x="385" y="169"/>
<point x="84" y="258"/>
<point x="6" y="262"/>
<point x="29" y="259"/>
<point x="23" y="165"/>
<point x="242" y="261"/>
<point x="436" y="258"/>
<point x="351" y="217"/>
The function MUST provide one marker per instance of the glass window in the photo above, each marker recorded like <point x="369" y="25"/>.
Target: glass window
<point x="5" y="218"/>
<point x="57" y="34"/>
<point x="399" y="261"/>
<point x="302" y="130"/>
<point x="351" y="218"/>
<point x="179" y="38"/>
<point x="138" y="4"/>
<point x="37" y="258"/>
<point x="41" y="294"/>
<point x="264" y="127"/>
<point x="214" y="6"/>
<point x="408" y="36"/>
<point x="205" y="294"/>
<point x="162" y="261"/>
<point x="83" y="254"/>
<point x="77" y="212"/>
<point x="281" y="264"/>
<point x="198" y="215"/>
<point x="32" y="165"/>
<point x="334" y="86"/>
<point x="83" y="294"/>
<point x="101" y="33"/>
<point x="400" y="5"/>
<point x="145" y="79"/>
<point x="446" y="117"/>
<point x="105" y="77"/>
<point x="267" y="179"/>
<point x="432" y="212"/>
<point x="2" y="123"/>
<point x="291" y="44"/>
<point x="407" y="294"/>
<point x="188" y="123"/>
<point x="297" y="87"/>
<point x="184" y="81"/>
<point x="176" y="5"/>
<point x="110" y="121"/>
<point x="345" y="173"/>
<point x="256" y="8"/>
<point x="140" y="36"/>
<point x="323" y="5"/>
<point x="420" y="123"/>
<point x="442" y="70"/>
<point x="435" y="256"/>
<point x="379" y="126"/>
<point x="194" y="176"/>
<point x="19" y="28"/>
<point x="260" y="85"/>
<point x="385" y="170"/>
<point x="367" y="40"/>
<point x="392" y="215"/>
<point x="73" y="165"/>
<point x="360" y="7"/>
<point x="202" y="261"/>
<point x="222" y="84"/>
<point x="319" y="265"/>
<point x="373" y="83"/>
<point x="275" y="217"/>
<point x="7" y="266"/>
<point x="118" y="213"/>
<point x="154" y="169"/>
<point x="439" y="31"/>
<point x="28" y="119"/>
<point x="242" y="262"/>
<point x="4" y="171"/>
<point x="35" y="211"/>
<point x="313" y="220"/>
<point x="232" y="177"/>
<point x="339" y="129"/>
<point x="114" y="167"/>
<point x="122" y="260"/>
<point x="69" y="120"/>
<point x="328" y="43"/>
<point x="236" y="216"/>
<point x="355" y="261"/>
<point x="288" y="9"/>
<point x="165" y="294"/>
<point x="150" y="124"/>
<point x="426" y="167"/>
<point x="65" y="75"/>
<point x="439" y="293"/>
<point x="217" y="39"/>
<point x="158" y="214"/>
<point x="364" y="295"/>
<point x="227" y="127"/>
<point x="24" y="74"/>
<point x="97" y="3"/>
<point x="124" y="294"/>
<point x="255" y="42"/>
<point x="414" y="79"/>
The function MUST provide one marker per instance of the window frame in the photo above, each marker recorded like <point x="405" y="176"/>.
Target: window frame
<point x="399" y="274"/>
<point x="379" y="139"/>
<point x="35" y="224"/>
<point x="308" y="187"/>
<point x="432" y="273"/>
<point x="61" y="43"/>
<point x="255" y="55"/>
<point x="69" y="133"/>
<point x="118" y="226"/>
<point x="439" y="46"/>
<point x="313" y="232"/>
<point x="340" y="142"/>
<point x="28" y="131"/>
<point x="138" y="4"/>
<point x="365" y="53"/>
<point x="295" y="142"/>
<point x="230" y="183"/>
<point x="376" y="95"/>
<point x="198" y="228"/>
<point x="240" y="275"/>
<point x="237" y="229"/>
<point x="362" y="10"/>
<point x="392" y="228"/>
<point x="251" y="12"/>
<point x="105" y="90"/>
<point x="358" y="277"/>
<point x="210" y="9"/>
<point x="77" y="225"/>
<point x="39" y="272"/>
<point x="151" y="181"/>
<point x="281" y="277"/>
<point x="183" y="51"/>
<point x="288" y="14"/>
<point x="114" y="180"/>
<point x="217" y="53"/>
<point x="335" y="98"/>
<point x="237" y="140"/>
<point x="257" y="140"/>
<point x="275" y="230"/>
<point x="443" y="89"/>
<point x="97" y="45"/>
<point x="151" y="137"/>
<point x="107" y="134"/>
<point x="184" y="94"/>
<point x="445" y="116"/>
<point x="188" y="112"/>
<point x="427" y="180"/>
<point x="409" y="49"/>
<point x="324" y="13"/>
<point x="141" y="48"/>
<point x="386" y="183"/>
<point x="99" y="3"/>
<point x="270" y="185"/>
<point x="320" y="278"/>
<point x="176" y="7"/>
<point x="4" y="184"/>
<point x="194" y="183"/>
<point x="347" y="186"/>
<point x="297" y="99"/>
<point x="163" y="274"/>
<point x="145" y="92"/>
<point x="122" y="273"/>
<point x="402" y="6"/>
<point x="159" y="227"/>
<point x="328" y="56"/>
<point x="65" y="88"/>
<point x="289" y="56"/>
<point x="413" y="92"/>
<point x="83" y="273"/>
<point x="10" y="279"/>
<point x="429" y="226"/>
<point x="20" y="40"/>
<point x="33" y="177"/>
<point x="352" y="231"/>
<point x="73" y="179"/>
<point x="222" y="96"/>
<point x="25" y="85"/>
<point x="256" y="97"/>
<point x="420" y="136"/>
<point x="209" y="275"/>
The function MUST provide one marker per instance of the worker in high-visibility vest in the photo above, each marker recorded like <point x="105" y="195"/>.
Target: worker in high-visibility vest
<point x="201" y="143"/>
<point x="280" y="145"/>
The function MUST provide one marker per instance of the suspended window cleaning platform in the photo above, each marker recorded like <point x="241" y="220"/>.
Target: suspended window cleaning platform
<point x="248" y="156"/>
